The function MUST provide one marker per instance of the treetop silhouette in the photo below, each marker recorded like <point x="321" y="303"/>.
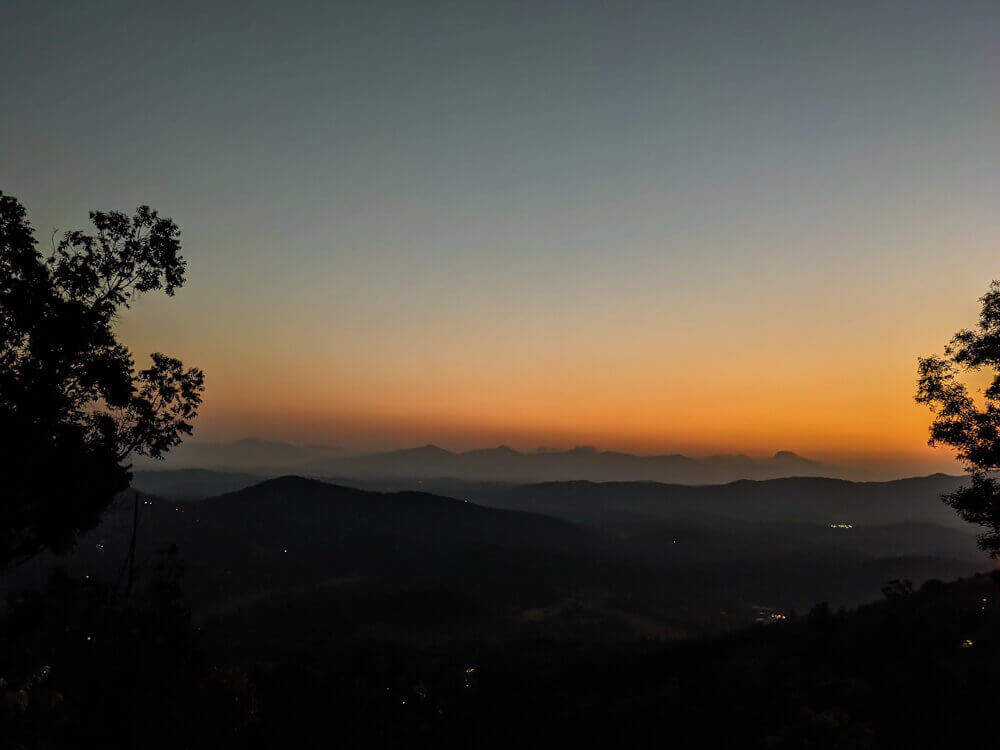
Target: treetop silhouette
<point x="969" y="425"/>
<point x="73" y="406"/>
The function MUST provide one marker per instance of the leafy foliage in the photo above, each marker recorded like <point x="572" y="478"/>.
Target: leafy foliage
<point x="969" y="426"/>
<point x="73" y="407"/>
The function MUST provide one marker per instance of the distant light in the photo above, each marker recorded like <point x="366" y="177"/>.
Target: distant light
<point x="99" y="545"/>
<point x="968" y="643"/>
<point x="285" y="550"/>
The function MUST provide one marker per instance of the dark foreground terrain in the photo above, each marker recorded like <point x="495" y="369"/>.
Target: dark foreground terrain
<point x="668" y="568"/>
<point x="917" y="669"/>
<point x="298" y="613"/>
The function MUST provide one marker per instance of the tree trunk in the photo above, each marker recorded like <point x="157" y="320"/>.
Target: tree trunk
<point x="131" y="548"/>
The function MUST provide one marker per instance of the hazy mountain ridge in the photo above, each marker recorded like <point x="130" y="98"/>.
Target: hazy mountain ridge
<point x="249" y="454"/>
<point x="793" y="500"/>
<point x="581" y="463"/>
<point x="820" y="500"/>
<point x="501" y="463"/>
<point x="191" y="484"/>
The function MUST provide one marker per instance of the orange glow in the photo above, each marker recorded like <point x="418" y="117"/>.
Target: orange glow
<point x="821" y="362"/>
<point x="816" y="409"/>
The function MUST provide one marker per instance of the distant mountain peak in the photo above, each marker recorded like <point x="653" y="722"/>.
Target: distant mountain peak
<point x="429" y="449"/>
<point x="250" y="441"/>
<point x="789" y="456"/>
<point x="500" y="450"/>
<point x="291" y="481"/>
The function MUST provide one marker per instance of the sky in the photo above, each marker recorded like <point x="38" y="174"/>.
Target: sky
<point x="703" y="227"/>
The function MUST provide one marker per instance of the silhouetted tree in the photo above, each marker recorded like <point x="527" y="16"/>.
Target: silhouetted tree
<point x="73" y="407"/>
<point x="969" y="425"/>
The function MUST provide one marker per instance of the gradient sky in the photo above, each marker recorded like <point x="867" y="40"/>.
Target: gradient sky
<point x="698" y="227"/>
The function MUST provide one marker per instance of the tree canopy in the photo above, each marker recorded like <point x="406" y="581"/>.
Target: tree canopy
<point x="73" y="405"/>
<point x="969" y="420"/>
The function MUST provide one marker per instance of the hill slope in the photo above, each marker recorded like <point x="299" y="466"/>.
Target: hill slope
<point x="325" y="545"/>
<point x="798" y="499"/>
<point x="292" y="533"/>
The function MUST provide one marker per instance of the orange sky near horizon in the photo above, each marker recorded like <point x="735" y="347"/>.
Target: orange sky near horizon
<point x="832" y="379"/>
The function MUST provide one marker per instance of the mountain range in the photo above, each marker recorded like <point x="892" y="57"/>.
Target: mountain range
<point x="502" y="463"/>
<point x="586" y="463"/>
<point x="812" y="500"/>
<point x="787" y="541"/>
<point x="818" y="500"/>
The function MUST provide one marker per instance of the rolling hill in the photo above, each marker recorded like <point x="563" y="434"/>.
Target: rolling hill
<point x="675" y="562"/>
<point x="798" y="499"/>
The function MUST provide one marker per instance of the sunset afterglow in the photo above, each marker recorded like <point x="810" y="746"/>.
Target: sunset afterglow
<point x="710" y="240"/>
